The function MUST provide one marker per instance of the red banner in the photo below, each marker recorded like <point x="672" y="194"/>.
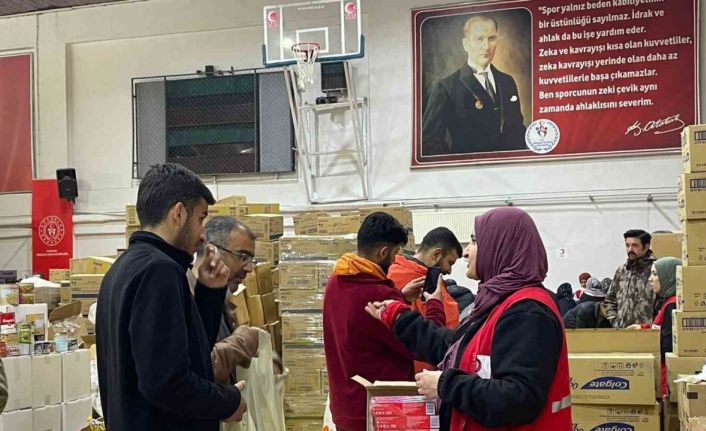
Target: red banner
<point x="52" y="228"/>
<point x="16" y="123"/>
<point x="567" y="78"/>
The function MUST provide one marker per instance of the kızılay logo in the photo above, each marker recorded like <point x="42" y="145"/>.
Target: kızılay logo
<point x="614" y="426"/>
<point x="610" y="383"/>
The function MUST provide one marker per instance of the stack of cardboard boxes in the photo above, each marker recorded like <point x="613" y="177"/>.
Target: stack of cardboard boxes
<point x="132" y="222"/>
<point x="614" y="379"/>
<point x="86" y="277"/>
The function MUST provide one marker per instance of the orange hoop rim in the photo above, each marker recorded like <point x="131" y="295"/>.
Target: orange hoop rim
<point x="305" y="47"/>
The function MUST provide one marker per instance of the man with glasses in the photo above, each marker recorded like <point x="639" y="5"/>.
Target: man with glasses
<point x="476" y="108"/>
<point x="236" y="344"/>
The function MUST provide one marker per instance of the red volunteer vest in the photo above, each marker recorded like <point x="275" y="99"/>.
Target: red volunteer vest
<point x="658" y="325"/>
<point x="556" y="414"/>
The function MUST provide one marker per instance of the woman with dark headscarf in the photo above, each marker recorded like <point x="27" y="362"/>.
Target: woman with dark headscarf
<point x="565" y="296"/>
<point x="664" y="284"/>
<point x="506" y="365"/>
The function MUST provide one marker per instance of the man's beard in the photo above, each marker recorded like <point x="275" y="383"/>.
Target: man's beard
<point x="182" y="240"/>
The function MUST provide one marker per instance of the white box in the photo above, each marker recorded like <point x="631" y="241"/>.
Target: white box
<point x="46" y="380"/>
<point x="75" y="413"/>
<point x="19" y="420"/>
<point x="18" y="370"/>
<point x="76" y="374"/>
<point x="48" y="418"/>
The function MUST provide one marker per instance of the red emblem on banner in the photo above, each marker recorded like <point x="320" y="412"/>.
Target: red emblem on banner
<point x="51" y="230"/>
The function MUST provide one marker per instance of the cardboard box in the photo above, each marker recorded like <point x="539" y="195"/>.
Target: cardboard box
<point x="275" y="330"/>
<point x="302" y="328"/>
<point x="635" y="418"/>
<point x="689" y="333"/>
<point x="240" y="314"/>
<point x="615" y="379"/>
<point x="18" y="371"/>
<point x="677" y="365"/>
<point x="227" y="211"/>
<point x="316" y="247"/>
<point x="131" y="218"/>
<point x="692" y="399"/>
<point x="265" y="226"/>
<point x="384" y="389"/>
<point x="305" y="275"/>
<point x="47" y="418"/>
<point x="693" y="424"/>
<point x="259" y="282"/>
<point x="232" y="200"/>
<point x="694" y="242"/>
<point x="307" y="223"/>
<point x="670" y="416"/>
<point x="46" y="380"/>
<point x="47" y="295"/>
<point x="255" y="310"/>
<point x="57" y="275"/>
<point x="74" y="414"/>
<point x="666" y="244"/>
<point x="692" y="196"/>
<point x="617" y="340"/>
<point x="262" y="208"/>
<point x="300" y="299"/>
<point x="402" y="214"/>
<point x="275" y="278"/>
<point x="86" y="283"/>
<point x="691" y="288"/>
<point x="91" y="265"/>
<point x="341" y="225"/>
<point x="303" y="424"/>
<point x="305" y="405"/>
<point x="267" y="251"/>
<point x="270" y="307"/>
<point x="65" y="292"/>
<point x="19" y="420"/>
<point x="307" y="370"/>
<point x="693" y="148"/>
<point x="76" y="375"/>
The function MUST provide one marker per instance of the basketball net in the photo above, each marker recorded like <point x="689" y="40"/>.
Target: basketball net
<point x="306" y="54"/>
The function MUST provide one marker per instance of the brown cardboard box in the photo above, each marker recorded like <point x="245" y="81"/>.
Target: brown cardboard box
<point x="303" y="424"/>
<point x="302" y="328"/>
<point x="402" y="214"/>
<point x="692" y="399"/>
<point x="617" y="379"/>
<point x="307" y="370"/>
<point x="275" y="330"/>
<point x="91" y="265"/>
<point x="131" y="218"/>
<point x="227" y="211"/>
<point x="670" y="416"/>
<point x="262" y="208"/>
<point x="305" y="405"/>
<point x="259" y="281"/>
<point x="47" y="295"/>
<point x="694" y="242"/>
<point x="316" y="247"/>
<point x="384" y="388"/>
<point x="693" y="424"/>
<point x="86" y="283"/>
<point x="57" y="275"/>
<point x="267" y="251"/>
<point x="666" y="244"/>
<point x="689" y="333"/>
<point x="599" y="417"/>
<point x="275" y="279"/>
<point x="309" y="275"/>
<point x="270" y="307"/>
<point x="616" y="340"/>
<point x="693" y="148"/>
<point x="307" y="223"/>
<point x="232" y="200"/>
<point x="692" y="196"/>
<point x="256" y="311"/>
<point x="240" y="314"/>
<point x="300" y="299"/>
<point x="341" y="225"/>
<point x="677" y="365"/>
<point x="691" y="288"/>
<point x="265" y="226"/>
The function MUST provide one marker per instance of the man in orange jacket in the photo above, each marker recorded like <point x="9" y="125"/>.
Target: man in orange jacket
<point x="440" y="248"/>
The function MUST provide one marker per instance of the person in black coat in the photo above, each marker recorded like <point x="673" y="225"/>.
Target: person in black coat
<point x="153" y="338"/>
<point x="587" y="315"/>
<point x="476" y="108"/>
<point x="564" y="295"/>
<point x="595" y="290"/>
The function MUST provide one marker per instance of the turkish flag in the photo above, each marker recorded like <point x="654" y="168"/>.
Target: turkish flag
<point x="52" y="228"/>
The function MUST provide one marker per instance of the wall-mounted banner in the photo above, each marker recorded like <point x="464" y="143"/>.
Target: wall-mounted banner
<point x="540" y="79"/>
<point x="52" y="228"/>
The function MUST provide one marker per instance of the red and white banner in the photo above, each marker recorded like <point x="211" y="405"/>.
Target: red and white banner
<point x="52" y="228"/>
<point x="568" y="78"/>
<point x="16" y="123"/>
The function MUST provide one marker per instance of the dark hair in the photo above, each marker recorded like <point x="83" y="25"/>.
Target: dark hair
<point x="163" y="186"/>
<point x="443" y="238"/>
<point x="380" y="228"/>
<point x="219" y="228"/>
<point x="564" y="291"/>
<point x="645" y="238"/>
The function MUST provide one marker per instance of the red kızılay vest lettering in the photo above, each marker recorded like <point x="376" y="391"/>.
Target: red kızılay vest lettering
<point x="556" y="413"/>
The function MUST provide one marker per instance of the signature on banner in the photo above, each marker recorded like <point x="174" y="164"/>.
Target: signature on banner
<point x="657" y="127"/>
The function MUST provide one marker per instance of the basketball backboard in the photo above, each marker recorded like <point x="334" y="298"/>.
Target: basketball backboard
<point x="333" y="24"/>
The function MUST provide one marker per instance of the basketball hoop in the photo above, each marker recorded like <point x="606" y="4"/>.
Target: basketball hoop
<point x="306" y="54"/>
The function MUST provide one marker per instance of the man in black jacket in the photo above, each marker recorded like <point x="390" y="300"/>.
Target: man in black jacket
<point x="153" y="339"/>
<point x="476" y="108"/>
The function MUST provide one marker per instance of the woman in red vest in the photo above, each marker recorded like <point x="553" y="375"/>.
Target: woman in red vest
<point x="506" y="366"/>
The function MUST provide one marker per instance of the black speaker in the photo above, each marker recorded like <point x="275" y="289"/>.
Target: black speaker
<point x="68" y="188"/>
<point x="333" y="77"/>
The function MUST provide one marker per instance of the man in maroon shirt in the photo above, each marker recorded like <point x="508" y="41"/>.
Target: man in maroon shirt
<point x="354" y="342"/>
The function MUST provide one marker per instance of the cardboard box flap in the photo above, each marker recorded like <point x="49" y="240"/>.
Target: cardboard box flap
<point x="380" y="387"/>
<point x="64" y="312"/>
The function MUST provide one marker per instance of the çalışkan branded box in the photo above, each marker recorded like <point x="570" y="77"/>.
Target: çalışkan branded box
<point x="232" y="200"/>
<point x="694" y="242"/>
<point x="226" y="211"/>
<point x="402" y="214"/>
<point x="316" y="247"/>
<point x="303" y="424"/>
<point x="308" y="275"/>
<point x="86" y="283"/>
<point x="339" y="225"/>
<point x="91" y="265"/>
<point x="57" y="275"/>
<point x="689" y="333"/>
<point x="307" y="223"/>
<point x="666" y="244"/>
<point x="693" y="148"/>
<point x="691" y="288"/>
<point x="300" y="299"/>
<point x="617" y="379"/>
<point x="615" y="418"/>
<point x="692" y="196"/>
<point x="307" y="370"/>
<point x="302" y="328"/>
<point x="262" y="208"/>
<point x="267" y="251"/>
<point x="677" y="365"/>
<point x="265" y="226"/>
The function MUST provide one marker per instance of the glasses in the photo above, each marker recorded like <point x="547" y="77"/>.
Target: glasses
<point x="245" y="257"/>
